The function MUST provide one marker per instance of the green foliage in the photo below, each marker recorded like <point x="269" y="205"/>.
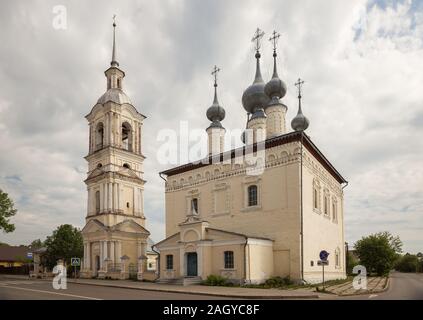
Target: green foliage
<point x="216" y="280"/>
<point x="352" y="261"/>
<point x="4" y="244"/>
<point x="36" y="244"/>
<point x="408" y="263"/>
<point x="278" y="282"/>
<point x="7" y="211"/>
<point x="65" y="242"/>
<point x="378" y="252"/>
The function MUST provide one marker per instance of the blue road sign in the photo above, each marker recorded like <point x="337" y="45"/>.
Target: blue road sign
<point x="323" y="255"/>
<point x="29" y="255"/>
<point x="75" y="262"/>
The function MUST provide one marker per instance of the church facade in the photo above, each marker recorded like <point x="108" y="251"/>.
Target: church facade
<point x="115" y="238"/>
<point x="266" y="209"/>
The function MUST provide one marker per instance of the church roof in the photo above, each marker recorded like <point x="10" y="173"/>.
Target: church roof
<point x="269" y="143"/>
<point x="115" y="95"/>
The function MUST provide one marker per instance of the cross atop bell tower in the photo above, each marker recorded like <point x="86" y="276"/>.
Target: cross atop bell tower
<point x="114" y="74"/>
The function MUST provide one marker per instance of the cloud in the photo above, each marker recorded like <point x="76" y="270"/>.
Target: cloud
<point x="360" y="59"/>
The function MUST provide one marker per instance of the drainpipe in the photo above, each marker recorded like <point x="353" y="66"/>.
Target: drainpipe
<point x="343" y="235"/>
<point x="245" y="259"/>
<point x="301" y="210"/>
<point x="158" y="261"/>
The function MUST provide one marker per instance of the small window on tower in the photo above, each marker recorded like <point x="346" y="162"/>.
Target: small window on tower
<point x="126" y="136"/>
<point x="97" y="202"/>
<point x="119" y="83"/>
<point x="127" y="204"/>
<point x="194" y="206"/>
<point x="99" y="136"/>
<point x="127" y="166"/>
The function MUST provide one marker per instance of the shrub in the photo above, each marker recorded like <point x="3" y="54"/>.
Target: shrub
<point x="216" y="280"/>
<point x="378" y="252"/>
<point x="407" y="263"/>
<point x="277" y="282"/>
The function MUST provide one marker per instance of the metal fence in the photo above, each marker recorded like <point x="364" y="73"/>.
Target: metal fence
<point x="114" y="267"/>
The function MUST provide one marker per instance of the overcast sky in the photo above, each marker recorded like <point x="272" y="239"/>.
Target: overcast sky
<point x="362" y="62"/>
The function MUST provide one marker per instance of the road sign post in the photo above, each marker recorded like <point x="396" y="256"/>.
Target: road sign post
<point x="75" y="262"/>
<point x="323" y="255"/>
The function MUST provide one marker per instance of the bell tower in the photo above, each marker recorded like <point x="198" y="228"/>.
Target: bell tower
<point x="115" y="181"/>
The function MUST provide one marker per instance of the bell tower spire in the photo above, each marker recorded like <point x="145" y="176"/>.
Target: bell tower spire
<point x="114" y="74"/>
<point x="114" y="63"/>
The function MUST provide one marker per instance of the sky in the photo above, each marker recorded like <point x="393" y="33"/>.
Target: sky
<point x="362" y="62"/>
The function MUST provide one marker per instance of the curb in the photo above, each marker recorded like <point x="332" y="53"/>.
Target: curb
<point x="385" y="288"/>
<point x="223" y="295"/>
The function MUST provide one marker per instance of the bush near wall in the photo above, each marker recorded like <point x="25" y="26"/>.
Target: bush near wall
<point x="216" y="280"/>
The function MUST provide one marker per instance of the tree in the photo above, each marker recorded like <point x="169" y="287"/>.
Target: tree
<point x="65" y="242"/>
<point x="407" y="263"/>
<point x="36" y="244"/>
<point x="378" y="252"/>
<point x="352" y="261"/>
<point x="7" y="211"/>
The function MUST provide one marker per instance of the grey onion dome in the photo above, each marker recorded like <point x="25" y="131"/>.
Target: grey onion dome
<point x="215" y="113"/>
<point x="275" y="88"/>
<point x="254" y="97"/>
<point x="300" y="122"/>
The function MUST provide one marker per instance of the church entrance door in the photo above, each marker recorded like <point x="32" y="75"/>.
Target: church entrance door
<point x="97" y="263"/>
<point x="192" y="264"/>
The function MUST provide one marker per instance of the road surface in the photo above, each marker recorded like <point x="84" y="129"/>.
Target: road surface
<point x="43" y="290"/>
<point x="404" y="286"/>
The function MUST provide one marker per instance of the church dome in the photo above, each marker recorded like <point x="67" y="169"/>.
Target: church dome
<point x="254" y="96"/>
<point x="215" y="113"/>
<point x="300" y="122"/>
<point x="115" y="95"/>
<point x="275" y="88"/>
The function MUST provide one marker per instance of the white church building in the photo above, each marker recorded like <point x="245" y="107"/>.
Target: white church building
<point x="266" y="209"/>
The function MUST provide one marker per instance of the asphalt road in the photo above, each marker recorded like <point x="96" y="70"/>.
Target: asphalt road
<point x="404" y="286"/>
<point x="43" y="290"/>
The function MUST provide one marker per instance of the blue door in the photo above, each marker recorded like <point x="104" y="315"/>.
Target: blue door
<point x="192" y="264"/>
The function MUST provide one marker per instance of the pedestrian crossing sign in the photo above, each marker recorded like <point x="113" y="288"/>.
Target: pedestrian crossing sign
<point x="75" y="262"/>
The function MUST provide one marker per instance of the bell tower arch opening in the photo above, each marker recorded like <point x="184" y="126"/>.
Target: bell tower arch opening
<point x="127" y="136"/>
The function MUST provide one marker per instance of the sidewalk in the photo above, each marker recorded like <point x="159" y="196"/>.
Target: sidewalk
<point x="232" y="292"/>
<point x="374" y="285"/>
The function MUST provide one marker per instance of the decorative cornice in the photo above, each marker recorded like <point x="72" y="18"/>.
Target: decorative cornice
<point x="268" y="143"/>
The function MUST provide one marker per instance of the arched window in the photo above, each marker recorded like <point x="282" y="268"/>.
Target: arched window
<point x="316" y="198"/>
<point x="326" y="208"/>
<point x="97" y="202"/>
<point x="334" y="211"/>
<point x="99" y="138"/>
<point x="127" y="166"/>
<point x="252" y="196"/>
<point x="229" y="259"/>
<point x="316" y="195"/>
<point x="126" y="136"/>
<point x="194" y="206"/>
